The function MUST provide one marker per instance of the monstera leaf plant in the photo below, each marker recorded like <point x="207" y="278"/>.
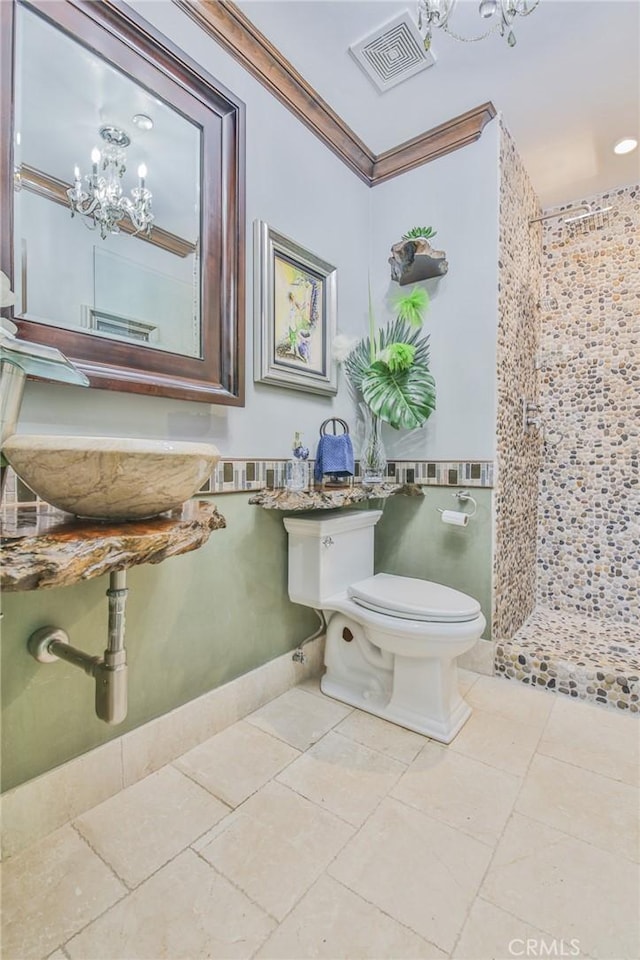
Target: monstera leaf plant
<point x="389" y="369"/>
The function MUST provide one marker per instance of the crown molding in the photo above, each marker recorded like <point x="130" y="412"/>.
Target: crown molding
<point x="226" y="23"/>
<point x="229" y="26"/>
<point x="446" y="137"/>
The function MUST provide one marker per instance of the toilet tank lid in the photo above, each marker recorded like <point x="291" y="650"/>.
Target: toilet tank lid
<point x="334" y="521"/>
<point x="418" y="599"/>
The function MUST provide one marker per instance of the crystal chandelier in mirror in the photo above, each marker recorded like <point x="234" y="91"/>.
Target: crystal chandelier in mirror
<point x="102" y="199"/>
<point x="498" y="15"/>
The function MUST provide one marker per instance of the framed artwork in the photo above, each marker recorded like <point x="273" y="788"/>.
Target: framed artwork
<point x="295" y="314"/>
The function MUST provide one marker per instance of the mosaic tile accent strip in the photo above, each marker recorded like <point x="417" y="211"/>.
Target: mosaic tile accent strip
<point x="576" y="656"/>
<point x="589" y="508"/>
<point x="236" y="476"/>
<point x="10" y="491"/>
<point x="445" y="473"/>
<point x="518" y="453"/>
<point x="232" y="476"/>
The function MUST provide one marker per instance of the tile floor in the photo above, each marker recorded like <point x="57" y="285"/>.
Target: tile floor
<point x="312" y="830"/>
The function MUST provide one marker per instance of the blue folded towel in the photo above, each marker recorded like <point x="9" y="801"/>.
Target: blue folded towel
<point x="335" y="456"/>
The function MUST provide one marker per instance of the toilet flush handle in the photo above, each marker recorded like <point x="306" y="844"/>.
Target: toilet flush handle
<point x="327" y="541"/>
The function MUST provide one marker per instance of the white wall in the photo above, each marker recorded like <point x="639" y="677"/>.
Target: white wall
<point x="458" y="196"/>
<point x="64" y="276"/>
<point x="301" y="189"/>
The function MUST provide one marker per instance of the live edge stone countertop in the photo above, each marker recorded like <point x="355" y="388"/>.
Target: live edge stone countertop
<point x="324" y="498"/>
<point x="44" y="547"/>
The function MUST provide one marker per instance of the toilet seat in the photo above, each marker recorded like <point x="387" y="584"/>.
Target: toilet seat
<point x="408" y="598"/>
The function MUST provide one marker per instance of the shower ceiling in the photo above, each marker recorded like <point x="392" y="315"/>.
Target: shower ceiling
<point x="568" y="91"/>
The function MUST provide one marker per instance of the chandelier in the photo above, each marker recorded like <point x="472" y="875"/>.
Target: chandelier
<point x="498" y="14"/>
<point x="101" y="199"/>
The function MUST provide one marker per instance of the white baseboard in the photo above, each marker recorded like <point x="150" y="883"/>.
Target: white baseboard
<point x="480" y="658"/>
<point x="39" y="806"/>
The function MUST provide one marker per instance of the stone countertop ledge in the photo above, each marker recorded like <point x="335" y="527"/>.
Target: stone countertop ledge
<point x="43" y="547"/>
<point x="328" y="499"/>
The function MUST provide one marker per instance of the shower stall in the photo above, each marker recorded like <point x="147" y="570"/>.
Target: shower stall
<point x="567" y="499"/>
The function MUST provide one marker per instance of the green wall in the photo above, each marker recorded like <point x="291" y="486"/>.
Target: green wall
<point x="412" y="541"/>
<point x="192" y="623"/>
<point x="197" y="621"/>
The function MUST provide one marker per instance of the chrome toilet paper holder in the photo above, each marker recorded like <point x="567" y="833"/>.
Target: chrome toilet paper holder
<point x="463" y="497"/>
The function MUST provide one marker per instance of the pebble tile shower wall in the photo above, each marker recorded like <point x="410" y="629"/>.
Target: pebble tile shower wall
<point x="583" y="640"/>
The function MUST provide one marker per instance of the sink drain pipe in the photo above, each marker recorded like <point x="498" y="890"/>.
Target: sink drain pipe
<point x="110" y="670"/>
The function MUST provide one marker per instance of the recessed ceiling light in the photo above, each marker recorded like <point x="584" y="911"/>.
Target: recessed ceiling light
<point x="626" y="145"/>
<point x="142" y="121"/>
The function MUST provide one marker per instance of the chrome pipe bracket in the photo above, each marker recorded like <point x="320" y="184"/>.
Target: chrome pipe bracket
<point x="39" y="643"/>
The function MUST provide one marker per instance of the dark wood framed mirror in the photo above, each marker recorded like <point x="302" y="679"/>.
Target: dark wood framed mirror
<point x="90" y="94"/>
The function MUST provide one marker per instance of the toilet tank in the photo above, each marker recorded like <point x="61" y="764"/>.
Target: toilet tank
<point x="328" y="552"/>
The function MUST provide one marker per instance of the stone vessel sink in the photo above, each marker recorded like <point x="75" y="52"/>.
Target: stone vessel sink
<point x="108" y="477"/>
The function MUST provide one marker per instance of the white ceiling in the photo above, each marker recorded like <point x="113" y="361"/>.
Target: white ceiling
<point x="567" y="91"/>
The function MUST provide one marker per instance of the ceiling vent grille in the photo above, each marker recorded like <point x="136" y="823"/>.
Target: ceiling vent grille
<point x="392" y="53"/>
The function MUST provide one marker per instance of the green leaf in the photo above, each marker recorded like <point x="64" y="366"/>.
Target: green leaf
<point x="398" y="331"/>
<point x="398" y="356"/>
<point x="410" y="306"/>
<point x="415" y="232"/>
<point x="404" y="399"/>
<point x="372" y="329"/>
<point x="357" y="364"/>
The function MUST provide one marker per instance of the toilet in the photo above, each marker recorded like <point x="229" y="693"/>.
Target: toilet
<point x="392" y="642"/>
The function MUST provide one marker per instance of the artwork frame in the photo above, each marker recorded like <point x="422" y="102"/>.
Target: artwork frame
<point x="295" y="308"/>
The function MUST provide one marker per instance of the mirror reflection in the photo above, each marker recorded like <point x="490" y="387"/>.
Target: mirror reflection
<point x="107" y="203"/>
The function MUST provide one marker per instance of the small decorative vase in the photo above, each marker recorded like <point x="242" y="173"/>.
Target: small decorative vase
<point x="296" y="475"/>
<point x="373" y="461"/>
<point x="297" y="469"/>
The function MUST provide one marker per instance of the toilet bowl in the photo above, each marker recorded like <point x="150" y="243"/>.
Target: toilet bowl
<point x="392" y="642"/>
